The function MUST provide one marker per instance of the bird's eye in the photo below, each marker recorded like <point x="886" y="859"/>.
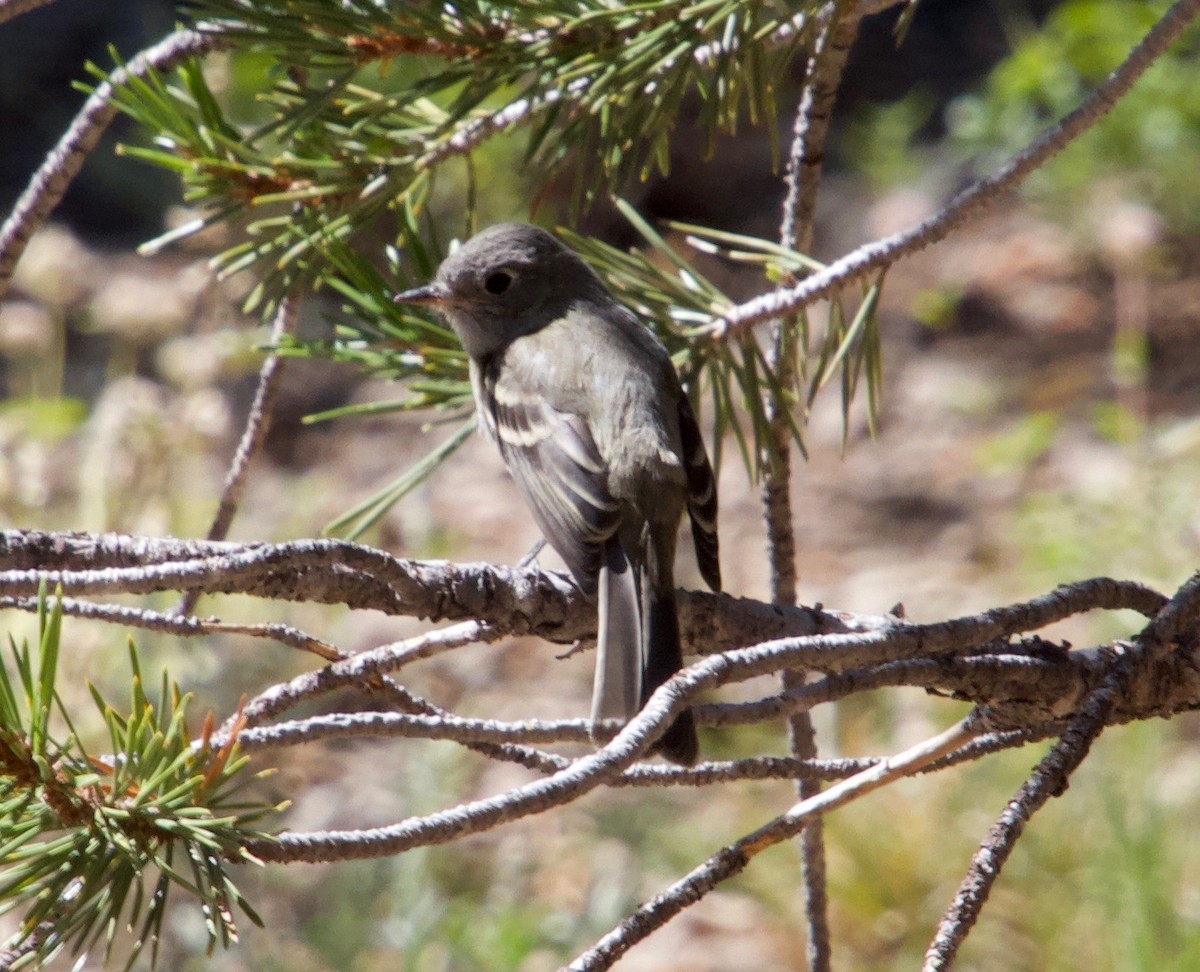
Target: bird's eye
<point x="498" y="282"/>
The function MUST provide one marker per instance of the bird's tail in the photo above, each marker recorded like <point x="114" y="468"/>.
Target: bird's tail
<point x="638" y="648"/>
<point x="664" y="657"/>
<point x="617" y="687"/>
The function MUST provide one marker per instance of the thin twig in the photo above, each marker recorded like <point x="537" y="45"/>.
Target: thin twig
<point x="258" y="421"/>
<point x="10" y="9"/>
<point x="803" y="738"/>
<point x="568" y="784"/>
<point x="369" y="670"/>
<point x="442" y="725"/>
<point x="823" y="75"/>
<point x="586" y="774"/>
<point x="135" y="617"/>
<point x="446" y="726"/>
<point x="356" y="670"/>
<point x="883" y="253"/>
<point x="258" y="424"/>
<point x="1024" y="676"/>
<point x="994" y="742"/>
<point x="64" y="161"/>
<point x="802" y="177"/>
<point x="734" y="859"/>
<point x="399" y="725"/>
<point x="1177" y="616"/>
<point x="27" y="945"/>
<point x="1048" y="779"/>
<point x="752" y="768"/>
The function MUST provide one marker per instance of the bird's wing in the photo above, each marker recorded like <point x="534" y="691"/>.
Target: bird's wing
<point x="701" y="495"/>
<point x="556" y="466"/>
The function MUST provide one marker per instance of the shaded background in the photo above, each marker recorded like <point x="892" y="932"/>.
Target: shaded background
<point x="1039" y="426"/>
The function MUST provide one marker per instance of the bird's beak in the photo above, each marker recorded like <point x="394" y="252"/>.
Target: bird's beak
<point x="431" y="294"/>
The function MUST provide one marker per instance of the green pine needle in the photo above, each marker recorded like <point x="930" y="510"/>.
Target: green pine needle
<point x="86" y="842"/>
<point x="362" y="107"/>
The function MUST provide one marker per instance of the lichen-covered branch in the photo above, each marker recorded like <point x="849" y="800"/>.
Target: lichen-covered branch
<point x="823" y="73"/>
<point x="1023" y="688"/>
<point x="1048" y="779"/>
<point x="733" y="859"/>
<point x="511" y="600"/>
<point x="879" y="254"/>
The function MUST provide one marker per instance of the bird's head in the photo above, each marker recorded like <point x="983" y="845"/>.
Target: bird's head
<point x="507" y="281"/>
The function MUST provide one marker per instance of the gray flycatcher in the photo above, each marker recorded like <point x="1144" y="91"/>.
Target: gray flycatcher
<point x="589" y="415"/>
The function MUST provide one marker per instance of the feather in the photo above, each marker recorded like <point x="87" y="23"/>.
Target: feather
<point x="701" y="496"/>
<point x="617" y="689"/>
<point x="558" y="470"/>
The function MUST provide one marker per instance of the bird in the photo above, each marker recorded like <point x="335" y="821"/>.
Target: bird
<point x="592" y="422"/>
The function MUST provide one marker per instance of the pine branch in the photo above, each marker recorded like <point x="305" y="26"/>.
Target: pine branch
<point x="609" y="79"/>
<point x="1020" y="690"/>
<point x="525" y="601"/>
<point x="10" y="9"/>
<point x="471" y="134"/>
<point x="303" y="202"/>
<point x="85" y="836"/>
<point x="802" y="177"/>
<point x="880" y="254"/>
<point x="732" y="860"/>
<point x="180" y="626"/>
<point x="64" y="161"/>
<point x="1048" y="779"/>
<point x="1157" y="642"/>
<point x="254" y="436"/>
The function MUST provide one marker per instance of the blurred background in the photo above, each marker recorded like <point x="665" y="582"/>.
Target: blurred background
<point x="1040" y="424"/>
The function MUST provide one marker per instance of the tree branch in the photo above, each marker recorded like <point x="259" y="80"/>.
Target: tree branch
<point x="733" y="859"/>
<point x="64" y="161"/>
<point x="184" y="627"/>
<point x="508" y="600"/>
<point x="968" y="654"/>
<point x="1048" y="779"/>
<point x="258" y="420"/>
<point x="1177" y="617"/>
<point x="877" y="255"/>
<point x="802" y="177"/>
<point x="473" y="132"/>
<point x="333" y="571"/>
<point x="11" y="9"/>
<point x="258" y="424"/>
<point x="1024" y="691"/>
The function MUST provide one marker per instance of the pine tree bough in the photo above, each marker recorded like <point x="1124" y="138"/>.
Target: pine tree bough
<point x="1018" y="680"/>
<point x="823" y="73"/>
<point x="1022" y="687"/>
<point x="880" y="254"/>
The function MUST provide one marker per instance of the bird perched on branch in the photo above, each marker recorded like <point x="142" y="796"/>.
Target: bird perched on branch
<point x="592" y="422"/>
